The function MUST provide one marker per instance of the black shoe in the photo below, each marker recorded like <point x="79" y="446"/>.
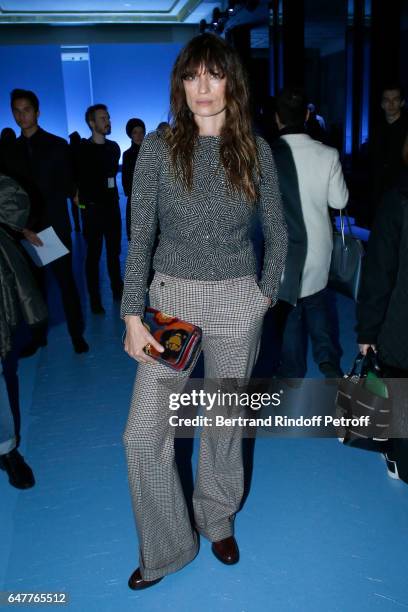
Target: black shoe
<point x="97" y="308"/>
<point x="80" y="345"/>
<point x="226" y="550"/>
<point x="32" y="348"/>
<point x="19" y="473"/>
<point x="136" y="582"/>
<point x="293" y="383"/>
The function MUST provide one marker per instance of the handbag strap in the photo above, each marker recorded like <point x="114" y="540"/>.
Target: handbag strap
<point x="372" y="362"/>
<point x="364" y="363"/>
<point x="358" y="366"/>
<point x="344" y="215"/>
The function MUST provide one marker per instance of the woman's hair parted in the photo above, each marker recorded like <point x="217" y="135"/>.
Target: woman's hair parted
<point x="238" y="151"/>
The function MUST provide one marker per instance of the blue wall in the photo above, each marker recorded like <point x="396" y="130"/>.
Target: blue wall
<point x="132" y="79"/>
<point x="78" y="94"/>
<point x="36" y="67"/>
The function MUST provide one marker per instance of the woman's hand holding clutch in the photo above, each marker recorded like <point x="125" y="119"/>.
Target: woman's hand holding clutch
<point x="138" y="340"/>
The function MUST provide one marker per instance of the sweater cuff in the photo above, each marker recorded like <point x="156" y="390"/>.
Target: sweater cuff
<point x="366" y="338"/>
<point x="268" y="291"/>
<point x="130" y="307"/>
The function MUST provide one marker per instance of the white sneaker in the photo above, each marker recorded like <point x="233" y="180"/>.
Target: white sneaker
<point x="392" y="468"/>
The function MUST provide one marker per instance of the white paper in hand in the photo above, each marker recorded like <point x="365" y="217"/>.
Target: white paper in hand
<point x="51" y="250"/>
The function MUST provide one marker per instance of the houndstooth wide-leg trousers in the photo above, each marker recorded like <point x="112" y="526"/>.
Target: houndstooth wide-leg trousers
<point x="230" y="313"/>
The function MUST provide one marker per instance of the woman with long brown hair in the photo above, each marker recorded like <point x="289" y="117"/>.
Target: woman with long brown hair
<point x="201" y="182"/>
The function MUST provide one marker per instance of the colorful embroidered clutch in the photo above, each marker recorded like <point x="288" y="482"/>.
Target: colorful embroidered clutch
<point x="181" y="340"/>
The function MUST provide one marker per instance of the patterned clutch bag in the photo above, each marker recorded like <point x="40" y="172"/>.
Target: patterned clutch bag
<point x="181" y="340"/>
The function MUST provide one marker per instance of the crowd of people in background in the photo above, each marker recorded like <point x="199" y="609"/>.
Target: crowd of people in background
<point x="40" y="171"/>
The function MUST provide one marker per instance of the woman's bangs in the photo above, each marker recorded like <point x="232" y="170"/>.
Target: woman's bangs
<point x="204" y="59"/>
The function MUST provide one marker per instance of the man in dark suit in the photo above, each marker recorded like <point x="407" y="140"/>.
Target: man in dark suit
<point x="41" y="164"/>
<point x="386" y="144"/>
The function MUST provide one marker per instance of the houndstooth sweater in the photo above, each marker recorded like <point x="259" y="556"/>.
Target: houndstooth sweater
<point x="205" y="232"/>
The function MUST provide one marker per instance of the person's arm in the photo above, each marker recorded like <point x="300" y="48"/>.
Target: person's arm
<point x="117" y="158"/>
<point x="380" y="268"/>
<point x="405" y="151"/>
<point x="32" y="237"/>
<point x="73" y="153"/>
<point x="126" y="175"/>
<point x="14" y="204"/>
<point x="338" y="193"/>
<point x="64" y="165"/>
<point x="273" y="224"/>
<point x="143" y="232"/>
<point x="144" y="224"/>
<point x="86" y="176"/>
<point x="15" y="209"/>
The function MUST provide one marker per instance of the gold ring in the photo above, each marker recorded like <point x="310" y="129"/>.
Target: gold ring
<point x="147" y="348"/>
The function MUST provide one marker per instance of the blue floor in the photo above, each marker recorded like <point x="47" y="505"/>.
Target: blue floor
<point x="324" y="529"/>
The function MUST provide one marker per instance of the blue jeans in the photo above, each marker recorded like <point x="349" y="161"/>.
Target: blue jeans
<point x="9" y="393"/>
<point x="312" y="316"/>
<point x="9" y="404"/>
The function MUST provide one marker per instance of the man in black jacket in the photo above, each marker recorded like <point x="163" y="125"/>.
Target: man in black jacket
<point x="387" y="142"/>
<point x="382" y="311"/>
<point x="41" y="164"/>
<point x="97" y="165"/>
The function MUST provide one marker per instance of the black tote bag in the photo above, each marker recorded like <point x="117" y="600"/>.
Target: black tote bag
<point x="346" y="261"/>
<point x="364" y="393"/>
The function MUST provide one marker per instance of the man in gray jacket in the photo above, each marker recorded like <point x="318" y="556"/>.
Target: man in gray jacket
<point x="311" y="180"/>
